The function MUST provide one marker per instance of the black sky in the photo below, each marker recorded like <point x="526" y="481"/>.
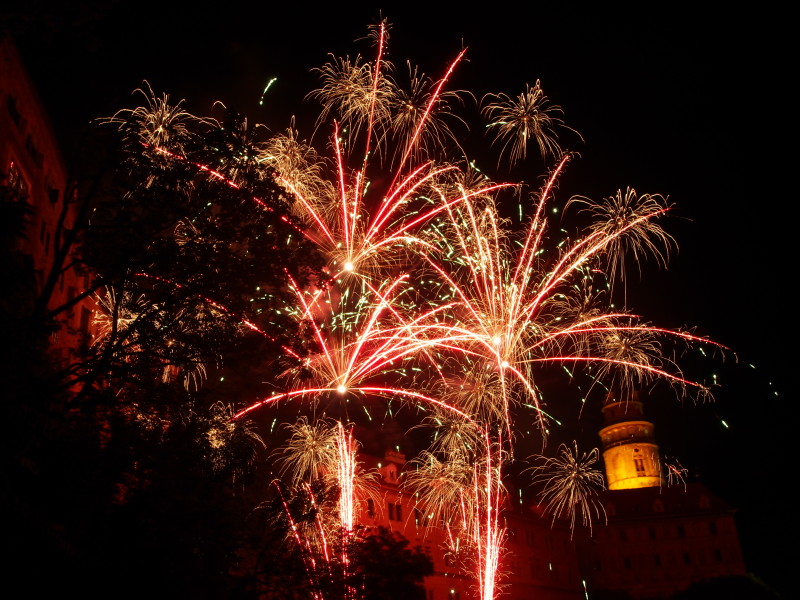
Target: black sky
<point x="669" y="100"/>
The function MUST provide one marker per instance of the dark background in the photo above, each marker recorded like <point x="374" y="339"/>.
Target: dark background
<point x="671" y="100"/>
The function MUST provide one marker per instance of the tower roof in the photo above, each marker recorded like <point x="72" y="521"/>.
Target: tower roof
<point x="619" y="407"/>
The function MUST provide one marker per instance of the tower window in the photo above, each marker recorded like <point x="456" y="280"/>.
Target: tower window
<point x="638" y="462"/>
<point x="370" y="507"/>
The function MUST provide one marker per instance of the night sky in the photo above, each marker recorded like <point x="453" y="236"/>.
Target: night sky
<point x="691" y="106"/>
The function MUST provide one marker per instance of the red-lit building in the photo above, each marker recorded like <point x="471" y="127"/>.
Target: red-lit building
<point x="538" y="560"/>
<point x="32" y="167"/>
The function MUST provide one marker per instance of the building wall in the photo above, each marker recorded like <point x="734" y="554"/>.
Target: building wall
<point x="31" y="164"/>
<point x="657" y="544"/>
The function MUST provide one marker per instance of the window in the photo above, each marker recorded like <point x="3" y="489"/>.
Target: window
<point x="627" y="561"/>
<point x="681" y="531"/>
<point x="370" y="507"/>
<point x="687" y="559"/>
<point x="395" y="512"/>
<point x="657" y="560"/>
<point x="623" y="535"/>
<point x="638" y="462"/>
<point x="86" y="316"/>
<point x="391" y="511"/>
<point x="33" y="151"/>
<point x="13" y="112"/>
<point x="712" y="528"/>
<point x="718" y="555"/>
<point x="16" y="181"/>
<point x="651" y="532"/>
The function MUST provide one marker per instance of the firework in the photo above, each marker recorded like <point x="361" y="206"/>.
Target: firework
<point x="437" y="300"/>
<point x="463" y="491"/>
<point x="528" y="118"/>
<point x="571" y="485"/>
<point x="159" y="124"/>
<point x="674" y="472"/>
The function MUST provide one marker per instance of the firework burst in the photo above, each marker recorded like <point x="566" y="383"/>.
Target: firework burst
<point x="528" y="118"/>
<point x="571" y="485"/>
<point x="437" y="300"/>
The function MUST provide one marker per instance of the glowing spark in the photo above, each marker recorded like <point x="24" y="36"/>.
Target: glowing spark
<point x="266" y="89"/>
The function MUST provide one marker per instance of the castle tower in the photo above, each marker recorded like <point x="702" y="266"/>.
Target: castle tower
<point x="629" y="450"/>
